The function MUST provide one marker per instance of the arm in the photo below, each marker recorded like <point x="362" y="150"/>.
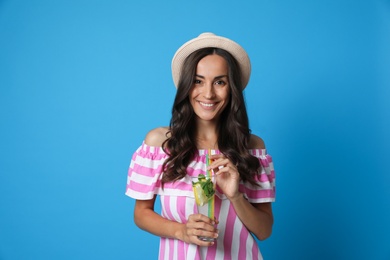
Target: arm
<point x="147" y="219"/>
<point x="257" y="217"/>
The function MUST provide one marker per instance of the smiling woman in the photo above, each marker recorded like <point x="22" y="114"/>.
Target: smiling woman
<point x="210" y="93"/>
<point x="82" y="83"/>
<point x="208" y="135"/>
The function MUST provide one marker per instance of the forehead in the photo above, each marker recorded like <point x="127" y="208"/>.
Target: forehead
<point x="212" y="64"/>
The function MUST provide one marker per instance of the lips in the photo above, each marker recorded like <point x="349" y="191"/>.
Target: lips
<point x="207" y="105"/>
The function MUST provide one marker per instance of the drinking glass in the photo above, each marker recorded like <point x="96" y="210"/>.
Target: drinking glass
<point x="204" y="193"/>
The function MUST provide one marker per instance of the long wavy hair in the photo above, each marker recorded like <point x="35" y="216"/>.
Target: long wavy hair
<point x="233" y="126"/>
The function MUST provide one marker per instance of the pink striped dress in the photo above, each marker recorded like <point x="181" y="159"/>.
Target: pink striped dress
<point x="177" y="203"/>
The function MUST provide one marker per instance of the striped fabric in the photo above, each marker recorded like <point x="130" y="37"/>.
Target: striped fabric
<point x="177" y="203"/>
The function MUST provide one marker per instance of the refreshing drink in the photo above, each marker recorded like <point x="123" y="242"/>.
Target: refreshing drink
<point x="204" y="193"/>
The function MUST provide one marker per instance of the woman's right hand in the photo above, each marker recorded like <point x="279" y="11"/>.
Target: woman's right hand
<point x="199" y="225"/>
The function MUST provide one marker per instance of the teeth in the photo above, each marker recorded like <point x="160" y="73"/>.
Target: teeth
<point x="206" y="105"/>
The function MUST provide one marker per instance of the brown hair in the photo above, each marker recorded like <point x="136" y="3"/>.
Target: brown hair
<point x="233" y="128"/>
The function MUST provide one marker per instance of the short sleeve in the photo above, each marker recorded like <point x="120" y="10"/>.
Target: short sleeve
<point x="144" y="174"/>
<point x="265" y="191"/>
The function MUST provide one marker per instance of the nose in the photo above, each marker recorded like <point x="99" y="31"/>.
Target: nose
<point x="209" y="92"/>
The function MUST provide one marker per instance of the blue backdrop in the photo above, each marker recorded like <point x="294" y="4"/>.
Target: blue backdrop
<point x="81" y="82"/>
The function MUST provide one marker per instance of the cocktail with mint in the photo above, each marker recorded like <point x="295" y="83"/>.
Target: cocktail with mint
<point x="204" y="193"/>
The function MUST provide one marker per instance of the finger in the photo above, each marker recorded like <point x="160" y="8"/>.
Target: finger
<point x="199" y="221"/>
<point x="220" y="162"/>
<point x="219" y="159"/>
<point x="199" y="242"/>
<point x="203" y="218"/>
<point x="216" y="156"/>
<point x="205" y="233"/>
<point x="203" y="229"/>
<point x="227" y="168"/>
<point x="227" y="172"/>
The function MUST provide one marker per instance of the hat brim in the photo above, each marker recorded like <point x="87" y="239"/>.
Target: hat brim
<point x="209" y="40"/>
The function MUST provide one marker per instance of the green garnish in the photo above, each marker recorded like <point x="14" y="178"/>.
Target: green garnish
<point x="206" y="184"/>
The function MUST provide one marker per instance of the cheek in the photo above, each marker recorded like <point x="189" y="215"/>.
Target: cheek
<point x="225" y="95"/>
<point x="193" y="93"/>
<point x="192" y="96"/>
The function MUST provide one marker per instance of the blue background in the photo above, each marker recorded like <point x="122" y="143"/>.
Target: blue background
<point x="82" y="82"/>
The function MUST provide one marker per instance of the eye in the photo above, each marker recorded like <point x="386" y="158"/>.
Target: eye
<point x="220" y="82"/>
<point x="197" y="81"/>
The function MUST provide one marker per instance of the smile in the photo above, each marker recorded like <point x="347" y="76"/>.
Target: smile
<point x="206" y="104"/>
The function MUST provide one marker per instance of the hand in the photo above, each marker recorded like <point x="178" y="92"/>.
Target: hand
<point x="228" y="177"/>
<point x="199" y="225"/>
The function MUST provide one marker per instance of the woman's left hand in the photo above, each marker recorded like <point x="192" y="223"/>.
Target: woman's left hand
<point x="228" y="177"/>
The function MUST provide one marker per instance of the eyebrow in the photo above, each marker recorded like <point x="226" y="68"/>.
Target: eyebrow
<point x="217" y="77"/>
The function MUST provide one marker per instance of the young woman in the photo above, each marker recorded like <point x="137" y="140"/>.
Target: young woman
<point x="208" y="114"/>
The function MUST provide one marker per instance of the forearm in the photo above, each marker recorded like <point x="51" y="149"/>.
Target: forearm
<point x="197" y="225"/>
<point x="258" y="220"/>
<point x="147" y="219"/>
<point x="150" y="221"/>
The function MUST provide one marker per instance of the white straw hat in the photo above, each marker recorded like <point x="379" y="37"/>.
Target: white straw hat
<point x="206" y="40"/>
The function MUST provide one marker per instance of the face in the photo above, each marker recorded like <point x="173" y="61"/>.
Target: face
<point x="210" y="92"/>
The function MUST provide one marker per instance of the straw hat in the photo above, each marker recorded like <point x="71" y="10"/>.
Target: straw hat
<point x="206" y="40"/>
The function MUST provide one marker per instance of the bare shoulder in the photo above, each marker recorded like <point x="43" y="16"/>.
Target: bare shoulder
<point x="156" y="136"/>
<point x="256" y="142"/>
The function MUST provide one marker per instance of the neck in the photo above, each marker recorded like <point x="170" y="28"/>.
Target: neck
<point x="206" y="135"/>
